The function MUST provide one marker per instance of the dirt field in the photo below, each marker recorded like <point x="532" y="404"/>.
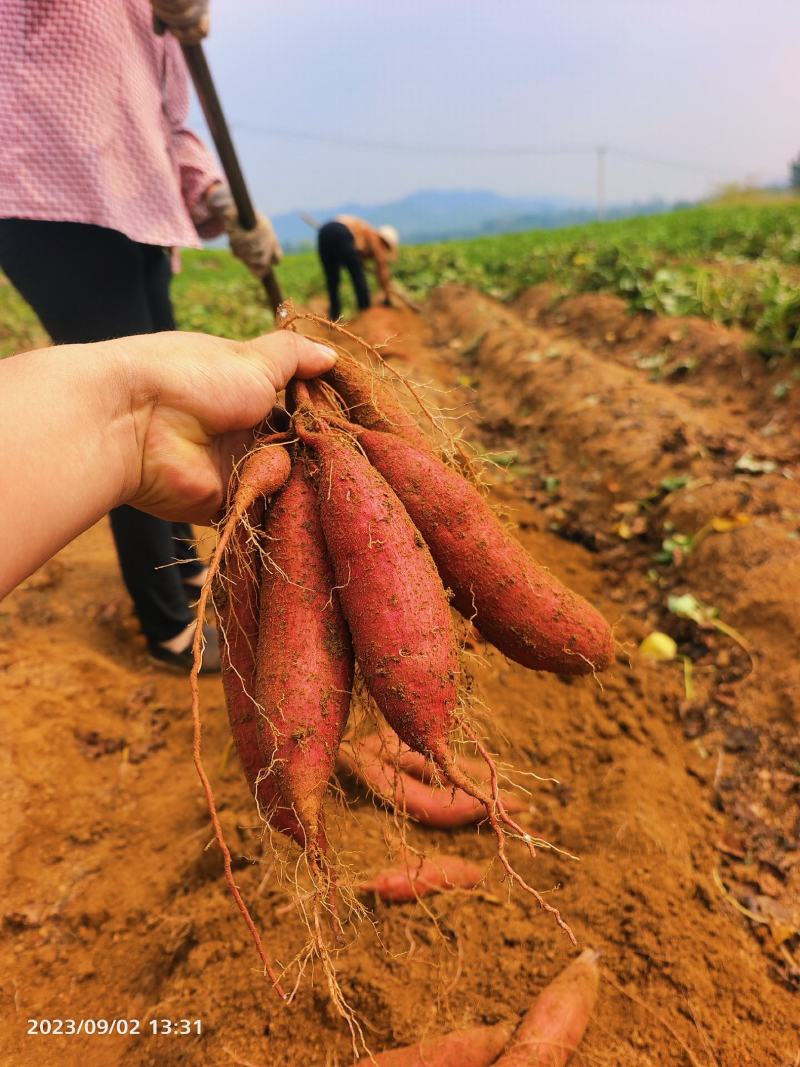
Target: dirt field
<point x="678" y="782"/>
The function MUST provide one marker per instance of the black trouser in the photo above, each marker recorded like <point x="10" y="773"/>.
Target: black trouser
<point x="337" y="249"/>
<point x="87" y="283"/>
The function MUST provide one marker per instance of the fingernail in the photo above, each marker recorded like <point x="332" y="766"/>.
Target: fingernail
<point x="326" y="351"/>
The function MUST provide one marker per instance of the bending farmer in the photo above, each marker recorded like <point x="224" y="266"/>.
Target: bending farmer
<point x="348" y="242"/>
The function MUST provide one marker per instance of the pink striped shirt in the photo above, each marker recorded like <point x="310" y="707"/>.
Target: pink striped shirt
<point x="92" y="112"/>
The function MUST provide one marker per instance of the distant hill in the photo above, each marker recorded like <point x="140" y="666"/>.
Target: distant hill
<point x="438" y="215"/>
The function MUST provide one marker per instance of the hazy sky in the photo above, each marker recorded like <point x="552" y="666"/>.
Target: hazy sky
<point x="714" y="83"/>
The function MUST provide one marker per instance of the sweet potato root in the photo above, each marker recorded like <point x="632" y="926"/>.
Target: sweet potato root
<point x="304" y="661"/>
<point x="415" y="879"/>
<point x="553" y="1027"/>
<point x="479" y="1046"/>
<point x="516" y="603"/>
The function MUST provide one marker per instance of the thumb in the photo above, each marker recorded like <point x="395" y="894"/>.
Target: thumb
<point x="287" y="355"/>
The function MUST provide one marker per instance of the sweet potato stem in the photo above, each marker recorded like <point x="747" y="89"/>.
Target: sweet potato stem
<point x="289" y="316"/>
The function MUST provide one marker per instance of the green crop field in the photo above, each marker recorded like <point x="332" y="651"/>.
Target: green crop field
<point x="737" y="264"/>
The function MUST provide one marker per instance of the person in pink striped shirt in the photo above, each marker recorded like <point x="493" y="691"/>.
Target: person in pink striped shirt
<point x="99" y="180"/>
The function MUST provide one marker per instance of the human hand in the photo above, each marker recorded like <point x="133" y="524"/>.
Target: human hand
<point x="187" y="19"/>
<point x="259" y="248"/>
<point x="194" y="401"/>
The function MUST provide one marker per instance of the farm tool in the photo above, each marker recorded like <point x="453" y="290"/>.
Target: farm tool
<point x="220" y="133"/>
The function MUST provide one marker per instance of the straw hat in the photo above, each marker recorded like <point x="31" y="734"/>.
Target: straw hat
<point x="389" y="236"/>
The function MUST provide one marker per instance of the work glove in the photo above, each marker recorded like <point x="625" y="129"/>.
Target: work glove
<point x="259" y="249"/>
<point x="187" y="19"/>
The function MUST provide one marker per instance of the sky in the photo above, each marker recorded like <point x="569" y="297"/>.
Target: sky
<point x="712" y="84"/>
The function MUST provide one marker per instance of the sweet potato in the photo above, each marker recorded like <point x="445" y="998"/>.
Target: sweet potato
<point x="316" y="394"/>
<point x="392" y="598"/>
<point x="304" y="672"/>
<point x="372" y="404"/>
<point x="556" y="1021"/>
<point x="263" y="472"/>
<point x="389" y="747"/>
<point x="479" y="1046"/>
<point x="442" y="809"/>
<point x="391" y="750"/>
<point x="401" y="625"/>
<point x="415" y="879"/>
<point x="236" y="600"/>
<point x="516" y="603"/>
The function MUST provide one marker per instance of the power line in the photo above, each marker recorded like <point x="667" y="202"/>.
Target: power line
<point x="675" y="164"/>
<point x="471" y="150"/>
<point x="397" y="146"/>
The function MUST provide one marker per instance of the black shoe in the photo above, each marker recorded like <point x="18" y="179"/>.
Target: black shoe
<point x="183" y="661"/>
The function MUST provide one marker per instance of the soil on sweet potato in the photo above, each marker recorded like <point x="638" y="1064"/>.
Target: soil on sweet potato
<point x="677" y="782"/>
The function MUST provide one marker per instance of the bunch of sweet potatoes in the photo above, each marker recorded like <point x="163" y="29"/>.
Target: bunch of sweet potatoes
<point x="347" y="541"/>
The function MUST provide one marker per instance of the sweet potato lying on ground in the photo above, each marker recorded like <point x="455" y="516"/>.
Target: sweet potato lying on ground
<point x="401" y="758"/>
<point x="553" y="1027"/>
<point x="415" y="878"/>
<point x="392" y="749"/>
<point x="442" y="809"/>
<point x="477" y="1047"/>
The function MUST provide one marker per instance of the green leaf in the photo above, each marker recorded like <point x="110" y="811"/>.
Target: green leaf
<point x="674" y="482"/>
<point x="689" y="607"/>
<point x="502" y="459"/>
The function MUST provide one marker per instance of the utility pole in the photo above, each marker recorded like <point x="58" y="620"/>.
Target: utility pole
<point x="601" y="182"/>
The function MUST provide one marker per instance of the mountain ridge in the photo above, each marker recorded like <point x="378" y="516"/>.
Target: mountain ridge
<point x="446" y="214"/>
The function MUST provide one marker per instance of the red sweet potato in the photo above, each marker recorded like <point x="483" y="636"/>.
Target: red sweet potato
<point x="304" y="670"/>
<point x="442" y="809"/>
<point x="392" y="598"/>
<point x="414" y="879"/>
<point x="556" y="1021"/>
<point x="236" y="600"/>
<point x="413" y="763"/>
<point x="391" y="750"/>
<point x="371" y="403"/>
<point x="317" y="395"/>
<point x="516" y="603"/>
<point x="263" y="472"/>
<point x="479" y="1046"/>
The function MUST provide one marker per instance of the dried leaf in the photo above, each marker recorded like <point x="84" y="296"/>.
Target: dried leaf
<point x="725" y="523"/>
<point x="732" y="845"/>
<point x="748" y="464"/>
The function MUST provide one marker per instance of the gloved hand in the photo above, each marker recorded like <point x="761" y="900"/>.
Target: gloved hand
<point x="258" y="249"/>
<point x="187" y="19"/>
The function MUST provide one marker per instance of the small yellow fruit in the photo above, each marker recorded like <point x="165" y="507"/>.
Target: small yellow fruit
<point x="658" y="646"/>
